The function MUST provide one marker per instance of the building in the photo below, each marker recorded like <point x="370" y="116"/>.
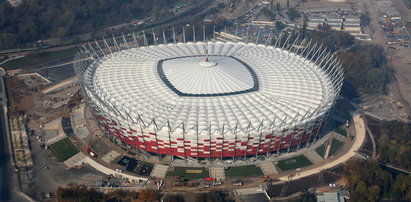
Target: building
<point x="352" y="19"/>
<point x="316" y="18"/>
<point x="352" y="24"/>
<point x="334" y="18"/>
<point x="210" y="99"/>
<point x="335" y="25"/>
<point x="352" y="28"/>
<point x="388" y="8"/>
<point x="338" y="196"/>
<point x="314" y="21"/>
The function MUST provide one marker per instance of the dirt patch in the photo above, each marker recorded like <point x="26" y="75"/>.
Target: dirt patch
<point x="402" y="74"/>
<point x="26" y="103"/>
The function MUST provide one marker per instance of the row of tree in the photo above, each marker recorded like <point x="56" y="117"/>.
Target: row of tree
<point x="33" y="19"/>
<point x="394" y="146"/>
<point x="83" y="193"/>
<point x="79" y="193"/>
<point x="369" y="182"/>
<point x="363" y="65"/>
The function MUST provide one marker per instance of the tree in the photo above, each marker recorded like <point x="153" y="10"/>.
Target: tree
<point x="369" y="182"/>
<point x="78" y="193"/>
<point x="363" y="67"/>
<point x="200" y="198"/>
<point x="33" y="20"/>
<point x="144" y="195"/>
<point x="153" y="196"/>
<point x="278" y="7"/>
<point x="216" y="196"/>
<point x="173" y="198"/>
<point x="307" y="196"/>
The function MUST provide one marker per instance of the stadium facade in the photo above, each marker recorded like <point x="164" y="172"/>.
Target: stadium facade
<point x="210" y="99"/>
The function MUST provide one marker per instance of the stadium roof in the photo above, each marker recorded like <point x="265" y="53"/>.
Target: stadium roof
<point x="218" y="76"/>
<point x="243" y="85"/>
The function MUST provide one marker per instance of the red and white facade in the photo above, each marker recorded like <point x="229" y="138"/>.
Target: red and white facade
<point x="244" y="99"/>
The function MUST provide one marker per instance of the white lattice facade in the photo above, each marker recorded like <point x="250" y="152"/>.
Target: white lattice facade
<point x="244" y="99"/>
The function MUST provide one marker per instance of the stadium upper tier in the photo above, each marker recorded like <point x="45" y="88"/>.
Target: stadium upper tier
<point x="241" y="86"/>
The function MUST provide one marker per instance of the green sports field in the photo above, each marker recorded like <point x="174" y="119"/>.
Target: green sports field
<point x="183" y="173"/>
<point x="243" y="171"/>
<point x="63" y="149"/>
<point x="294" y="163"/>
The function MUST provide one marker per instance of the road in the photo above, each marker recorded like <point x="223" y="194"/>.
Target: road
<point x="5" y="170"/>
<point x="374" y="144"/>
<point x="168" y="23"/>
<point x="64" y="63"/>
<point x="359" y="139"/>
<point x="9" y="186"/>
<point x="375" y="28"/>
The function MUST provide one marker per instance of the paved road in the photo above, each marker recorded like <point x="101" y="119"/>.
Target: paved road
<point x="374" y="145"/>
<point x="4" y="164"/>
<point x="9" y="181"/>
<point x="359" y="139"/>
<point x="9" y="187"/>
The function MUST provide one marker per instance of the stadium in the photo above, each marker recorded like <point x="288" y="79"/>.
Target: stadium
<point x="210" y="99"/>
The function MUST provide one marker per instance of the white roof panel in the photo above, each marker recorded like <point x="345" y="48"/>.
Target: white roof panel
<point x="288" y="86"/>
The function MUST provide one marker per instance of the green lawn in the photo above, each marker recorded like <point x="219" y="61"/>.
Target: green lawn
<point x="243" y="171"/>
<point x="63" y="149"/>
<point x="181" y="171"/>
<point x="338" y="124"/>
<point x="294" y="163"/>
<point x="335" y="145"/>
<point x="37" y="59"/>
<point x="321" y="150"/>
<point x="340" y="131"/>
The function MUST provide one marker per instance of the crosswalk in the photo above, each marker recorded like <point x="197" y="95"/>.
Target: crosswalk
<point x="159" y="171"/>
<point x="217" y="173"/>
<point x="268" y="168"/>
<point x="313" y="156"/>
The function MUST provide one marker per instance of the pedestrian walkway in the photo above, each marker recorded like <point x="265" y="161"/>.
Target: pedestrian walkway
<point x="327" y="150"/>
<point x="118" y="174"/>
<point x="358" y="141"/>
<point x="77" y="159"/>
<point x="217" y="173"/>
<point x="313" y="156"/>
<point x="268" y="168"/>
<point x="159" y="171"/>
<point x="110" y="156"/>
<point x="338" y="136"/>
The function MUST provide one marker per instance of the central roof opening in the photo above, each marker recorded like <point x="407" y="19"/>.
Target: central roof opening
<point x="216" y="76"/>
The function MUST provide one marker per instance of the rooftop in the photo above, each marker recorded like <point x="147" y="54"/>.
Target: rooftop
<point x="242" y="85"/>
<point x="219" y="75"/>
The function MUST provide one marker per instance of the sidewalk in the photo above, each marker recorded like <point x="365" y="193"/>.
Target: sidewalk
<point x="359" y="139"/>
<point x="100" y="164"/>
